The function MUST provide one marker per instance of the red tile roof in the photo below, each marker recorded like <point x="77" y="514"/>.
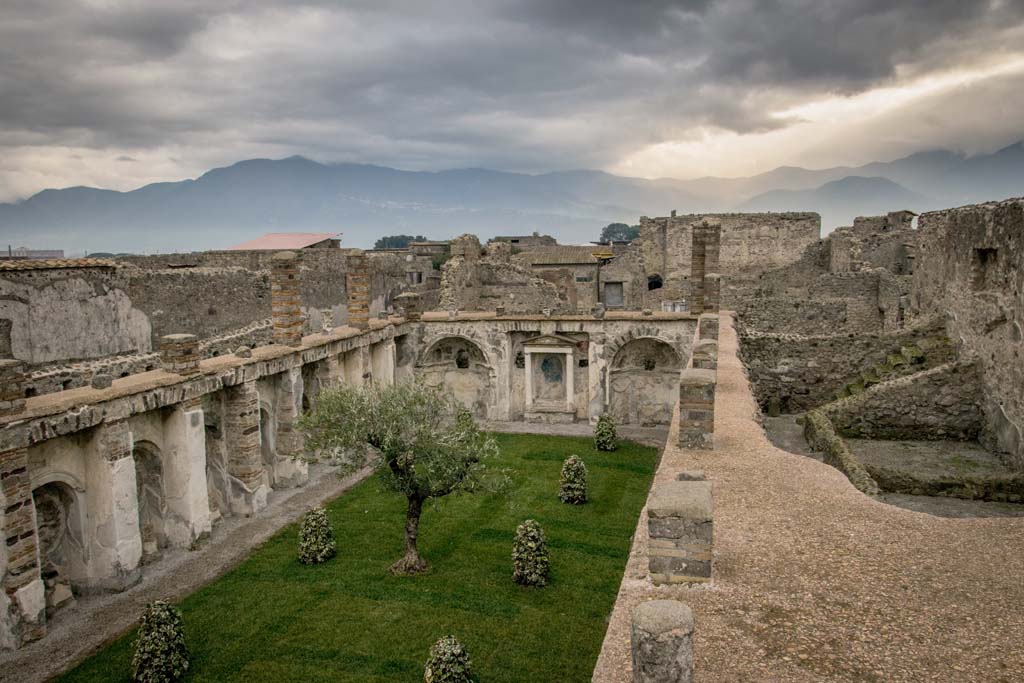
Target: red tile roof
<point x="284" y="240"/>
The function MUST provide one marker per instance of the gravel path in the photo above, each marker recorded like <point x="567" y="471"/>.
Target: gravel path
<point x="82" y="629"/>
<point x="816" y="582"/>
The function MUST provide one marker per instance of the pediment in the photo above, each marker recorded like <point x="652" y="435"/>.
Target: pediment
<point x="550" y="340"/>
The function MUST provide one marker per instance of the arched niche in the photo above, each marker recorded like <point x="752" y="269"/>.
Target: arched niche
<point x="643" y="384"/>
<point x="149" y="482"/>
<point x="460" y="366"/>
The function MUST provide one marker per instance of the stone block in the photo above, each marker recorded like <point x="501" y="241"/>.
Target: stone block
<point x="707" y="326"/>
<point x="179" y="353"/>
<point x="662" y="642"/>
<point x="411" y="305"/>
<point x="705" y="354"/>
<point x="285" y="299"/>
<point x="12" y="386"/>
<point x="101" y="381"/>
<point x="690" y="475"/>
<point x="697" y="408"/>
<point x="680" y="528"/>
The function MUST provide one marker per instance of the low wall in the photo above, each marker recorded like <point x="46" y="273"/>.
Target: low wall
<point x="822" y="437"/>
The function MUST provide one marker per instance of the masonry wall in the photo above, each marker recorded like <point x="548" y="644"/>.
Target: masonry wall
<point x="970" y="267"/>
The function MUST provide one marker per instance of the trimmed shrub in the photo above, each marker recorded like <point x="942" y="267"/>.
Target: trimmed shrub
<point x="530" y="561"/>
<point x="160" y="653"/>
<point x="316" y="537"/>
<point x="448" y="663"/>
<point x="573" y="483"/>
<point x="605" y="437"/>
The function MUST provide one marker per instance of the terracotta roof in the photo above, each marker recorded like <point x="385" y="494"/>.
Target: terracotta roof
<point x="51" y="263"/>
<point x="560" y="255"/>
<point x="284" y="240"/>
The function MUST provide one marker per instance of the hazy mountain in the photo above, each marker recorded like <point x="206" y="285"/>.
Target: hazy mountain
<point x="363" y="202"/>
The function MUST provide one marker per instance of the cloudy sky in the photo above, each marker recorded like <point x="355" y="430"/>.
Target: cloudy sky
<point x="119" y="93"/>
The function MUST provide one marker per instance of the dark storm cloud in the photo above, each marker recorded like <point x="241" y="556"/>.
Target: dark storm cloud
<point x="534" y="84"/>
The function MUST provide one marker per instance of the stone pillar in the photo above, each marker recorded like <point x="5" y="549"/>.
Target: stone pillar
<point x="707" y="326"/>
<point x="411" y="305"/>
<point x="12" y="387"/>
<point x="23" y="600"/>
<point x="179" y="353"/>
<point x="712" y="292"/>
<point x="705" y="355"/>
<point x="357" y="285"/>
<point x="115" y="541"/>
<point x="680" y="529"/>
<point x="291" y="468"/>
<point x="185" y="490"/>
<point x="697" y="409"/>
<point x="285" y="299"/>
<point x="697" y="272"/>
<point x="662" y="642"/>
<point x="242" y="435"/>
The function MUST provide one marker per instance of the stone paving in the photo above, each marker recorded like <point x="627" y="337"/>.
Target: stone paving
<point x="814" y="581"/>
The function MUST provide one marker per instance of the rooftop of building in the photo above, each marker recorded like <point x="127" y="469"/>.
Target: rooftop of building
<point x="54" y="263"/>
<point x="285" y="240"/>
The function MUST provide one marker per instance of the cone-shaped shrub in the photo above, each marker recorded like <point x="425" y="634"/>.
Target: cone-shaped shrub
<point x="530" y="555"/>
<point x="448" y="663"/>
<point x="573" y="483"/>
<point x="160" y="652"/>
<point x="605" y="438"/>
<point x="316" y="537"/>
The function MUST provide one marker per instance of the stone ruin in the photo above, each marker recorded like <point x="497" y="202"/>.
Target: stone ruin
<point x="166" y="399"/>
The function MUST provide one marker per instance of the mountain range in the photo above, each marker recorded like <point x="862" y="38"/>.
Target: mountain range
<point x="363" y="202"/>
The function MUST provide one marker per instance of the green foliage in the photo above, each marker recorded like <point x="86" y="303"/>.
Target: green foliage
<point x="424" y="443"/>
<point x="438" y="260"/>
<point x="573" y="482"/>
<point x="605" y="436"/>
<point x="448" y="663"/>
<point x="619" y="232"/>
<point x="530" y="561"/>
<point x="316" y="537"/>
<point x="397" y="241"/>
<point x="160" y="653"/>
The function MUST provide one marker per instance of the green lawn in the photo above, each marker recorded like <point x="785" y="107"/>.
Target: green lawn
<point x="274" y="619"/>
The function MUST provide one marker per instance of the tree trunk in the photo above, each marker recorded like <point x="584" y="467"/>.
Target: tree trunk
<point x="411" y="563"/>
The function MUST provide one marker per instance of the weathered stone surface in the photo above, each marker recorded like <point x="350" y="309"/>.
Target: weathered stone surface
<point x="680" y="527"/>
<point x="662" y="642"/>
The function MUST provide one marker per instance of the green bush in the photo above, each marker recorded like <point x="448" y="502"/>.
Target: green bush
<point x="316" y="537"/>
<point x="530" y="561"/>
<point x="160" y="653"/>
<point x="448" y="663"/>
<point x="573" y="482"/>
<point x="605" y="437"/>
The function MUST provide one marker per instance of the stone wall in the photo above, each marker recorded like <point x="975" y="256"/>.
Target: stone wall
<point x="970" y="266"/>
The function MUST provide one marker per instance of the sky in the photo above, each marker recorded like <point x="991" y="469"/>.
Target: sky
<point x="120" y="93"/>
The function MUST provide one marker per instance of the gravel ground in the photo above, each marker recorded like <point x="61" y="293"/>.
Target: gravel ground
<point x="91" y="622"/>
<point x="814" y="581"/>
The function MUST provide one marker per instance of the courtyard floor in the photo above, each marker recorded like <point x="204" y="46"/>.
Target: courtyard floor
<point x="813" y="581"/>
<point x="273" y="619"/>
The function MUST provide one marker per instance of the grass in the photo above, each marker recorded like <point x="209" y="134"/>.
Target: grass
<point x="274" y="619"/>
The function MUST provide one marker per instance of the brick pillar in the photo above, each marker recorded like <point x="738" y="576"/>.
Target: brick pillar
<point x="712" y="248"/>
<point x="285" y="299"/>
<point x="680" y="527"/>
<point x="115" y="541"/>
<point x="662" y="642"/>
<point x="357" y="284"/>
<point x="242" y="435"/>
<point x="697" y="272"/>
<point x="291" y="468"/>
<point x="705" y="354"/>
<point x="12" y="387"/>
<point x="188" y="501"/>
<point x="712" y="293"/>
<point x="179" y="353"/>
<point x="697" y="409"/>
<point x="23" y="618"/>
<point x="707" y="326"/>
<point x="410" y="304"/>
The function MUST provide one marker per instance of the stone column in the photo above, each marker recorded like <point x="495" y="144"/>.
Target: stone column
<point x="707" y="326"/>
<point x="23" y="601"/>
<point x="12" y="387"/>
<point x="242" y="435"/>
<point x="662" y="642"/>
<point x="357" y="285"/>
<point x="697" y="271"/>
<point x="712" y="292"/>
<point x="285" y="299"/>
<point x="291" y="468"/>
<point x="705" y="355"/>
<point x="697" y="409"/>
<point x="680" y="529"/>
<point x="179" y="353"/>
<point x="411" y="305"/>
<point x="185" y="490"/>
<point x="115" y="542"/>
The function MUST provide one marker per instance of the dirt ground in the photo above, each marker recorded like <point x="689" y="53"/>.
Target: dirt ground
<point x="813" y="581"/>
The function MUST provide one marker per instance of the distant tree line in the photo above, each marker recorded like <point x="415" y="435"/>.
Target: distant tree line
<point x="619" y="232"/>
<point x="397" y="241"/>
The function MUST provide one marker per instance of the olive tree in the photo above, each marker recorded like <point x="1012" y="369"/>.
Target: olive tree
<point x="421" y="441"/>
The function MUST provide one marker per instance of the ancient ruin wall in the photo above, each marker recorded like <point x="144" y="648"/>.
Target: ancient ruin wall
<point x="970" y="266"/>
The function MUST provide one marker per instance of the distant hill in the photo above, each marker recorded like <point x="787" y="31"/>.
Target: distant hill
<point x="363" y="202"/>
